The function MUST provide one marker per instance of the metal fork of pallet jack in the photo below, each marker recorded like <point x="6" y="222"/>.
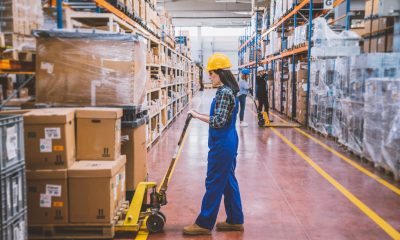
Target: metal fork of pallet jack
<point x="139" y="209"/>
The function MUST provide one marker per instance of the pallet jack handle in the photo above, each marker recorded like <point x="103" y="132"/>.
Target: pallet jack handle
<point x="160" y="198"/>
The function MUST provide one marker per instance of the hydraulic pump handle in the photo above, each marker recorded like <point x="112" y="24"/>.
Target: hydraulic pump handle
<point x="165" y="181"/>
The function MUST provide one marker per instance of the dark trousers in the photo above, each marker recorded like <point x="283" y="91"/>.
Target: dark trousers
<point x="242" y="103"/>
<point x="263" y="102"/>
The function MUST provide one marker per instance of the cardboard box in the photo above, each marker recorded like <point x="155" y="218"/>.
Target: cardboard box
<point x="136" y="155"/>
<point x="374" y="45"/>
<point x="24" y="93"/>
<point x="136" y="7"/>
<point x="375" y="25"/>
<point x="367" y="45"/>
<point x="98" y="133"/>
<point x="47" y="196"/>
<point x="50" y="138"/>
<point x="385" y="22"/>
<point x="142" y="12"/>
<point x="86" y="75"/>
<point x="96" y="189"/>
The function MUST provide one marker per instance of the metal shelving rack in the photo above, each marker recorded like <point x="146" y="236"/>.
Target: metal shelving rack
<point x="291" y="18"/>
<point x="159" y="119"/>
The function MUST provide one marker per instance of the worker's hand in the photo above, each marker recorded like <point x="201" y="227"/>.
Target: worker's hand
<point x="193" y="113"/>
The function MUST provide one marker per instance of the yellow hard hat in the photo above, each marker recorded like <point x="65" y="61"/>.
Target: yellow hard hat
<point x="218" y="61"/>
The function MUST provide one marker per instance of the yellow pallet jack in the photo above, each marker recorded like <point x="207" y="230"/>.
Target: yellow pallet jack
<point x="265" y="121"/>
<point x="140" y="210"/>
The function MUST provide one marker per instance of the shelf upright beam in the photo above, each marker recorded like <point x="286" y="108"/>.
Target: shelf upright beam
<point x="294" y="80"/>
<point x="256" y="53"/>
<point x="59" y="14"/>
<point x="281" y="61"/>
<point x="348" y="14"/>
<point x="310" y="27"/>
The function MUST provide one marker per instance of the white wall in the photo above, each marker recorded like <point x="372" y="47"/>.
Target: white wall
<point x="207" y="41"/>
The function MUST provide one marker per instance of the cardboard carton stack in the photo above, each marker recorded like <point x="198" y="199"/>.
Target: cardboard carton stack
<point x="167" y="29"/>
<point x="17" y="19"/>
<point x="85" y="74"/>
<point x="71" y="154"/>
<point x="378" y="25"/>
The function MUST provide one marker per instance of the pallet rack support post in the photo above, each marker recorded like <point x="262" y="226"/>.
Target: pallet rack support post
<point x="59" y="14"/>
<point x="282" y="59"/>
<point x="294" y="79"/>
<point x="310" y="17"/>
<point x="273" y="83"/>
<point x="256" y="52"/>
<point x="347" y="14"/>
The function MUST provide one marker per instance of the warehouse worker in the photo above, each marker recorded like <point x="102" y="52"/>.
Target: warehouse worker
<point x="262" y="90"/>
<point x="243" y="91"/>
<point x="223" y="145"/>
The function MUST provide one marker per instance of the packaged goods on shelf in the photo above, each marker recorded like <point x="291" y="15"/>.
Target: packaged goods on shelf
<point x="300" y="35"/>
<point x="327" y="43"/>
<point x="17" y="20"/>
<point x="95" y="69"/>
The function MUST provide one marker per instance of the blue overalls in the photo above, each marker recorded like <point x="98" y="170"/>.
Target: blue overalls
<point x="221" y="180"/>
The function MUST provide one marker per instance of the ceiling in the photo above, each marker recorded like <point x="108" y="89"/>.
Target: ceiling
<point x="213" y="13"/>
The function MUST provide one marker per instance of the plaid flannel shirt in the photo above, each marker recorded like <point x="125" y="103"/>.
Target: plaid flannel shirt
<point x="224" y="104"/>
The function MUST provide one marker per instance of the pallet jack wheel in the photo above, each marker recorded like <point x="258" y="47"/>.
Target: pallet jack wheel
<point x="163" y="216"/>
<point x="155" y="223"/>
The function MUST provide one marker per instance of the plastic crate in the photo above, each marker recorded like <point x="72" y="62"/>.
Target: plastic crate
<point x="12" y="193"/>
<point x="132" y="113"/>
<point x="136" y="123"/>
<point x="15" y="229"/>
<point x="12" y="141"/>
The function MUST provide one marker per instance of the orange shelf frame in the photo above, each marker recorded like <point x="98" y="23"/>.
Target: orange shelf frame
<point x="247" y="42"/>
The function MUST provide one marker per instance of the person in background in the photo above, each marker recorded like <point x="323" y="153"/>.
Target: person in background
<point x="244" y="90"/>
<point x="223" y="143"/>
<point x="262" y="90"/>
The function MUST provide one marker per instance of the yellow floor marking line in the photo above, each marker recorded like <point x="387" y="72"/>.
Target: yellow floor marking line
<point x="358" y="203"/>
<point x="385" y="183"/>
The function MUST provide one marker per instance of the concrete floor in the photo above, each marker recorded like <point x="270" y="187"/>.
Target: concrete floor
<point x="283" y="196"/>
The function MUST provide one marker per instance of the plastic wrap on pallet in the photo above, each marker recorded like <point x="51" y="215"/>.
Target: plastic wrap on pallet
<point x="382" y="122"/>
<point x="90" y="69"/>
<point x="327" y="43"/>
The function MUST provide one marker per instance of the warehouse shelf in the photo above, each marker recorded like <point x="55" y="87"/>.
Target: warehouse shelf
<point x="252" y="47"/>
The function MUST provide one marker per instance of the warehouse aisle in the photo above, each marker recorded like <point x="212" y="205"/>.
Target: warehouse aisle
<point x="292" y="187"/>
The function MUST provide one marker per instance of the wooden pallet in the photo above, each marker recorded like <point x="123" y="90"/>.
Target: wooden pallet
<point x="77" y="231"/>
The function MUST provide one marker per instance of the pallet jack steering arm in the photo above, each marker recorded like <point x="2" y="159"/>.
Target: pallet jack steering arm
<point x="160" y="198"/>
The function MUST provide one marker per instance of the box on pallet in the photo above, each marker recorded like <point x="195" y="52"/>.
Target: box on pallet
<point x="135" y="148"/>
<point x="12" y="143"/>
<point x="86" y="74"/>
<point x="12" y="193"/>
<point x="47" y="196"/>
<point x="98" y="133"/>
<point x="86" y="203"/>
<point x="50" y="138"/>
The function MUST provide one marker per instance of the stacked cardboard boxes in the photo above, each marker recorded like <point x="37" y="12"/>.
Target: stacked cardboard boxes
<point x="17" y="19"/>
<point x="378" y="24"/>
<point x="69" y="151"/>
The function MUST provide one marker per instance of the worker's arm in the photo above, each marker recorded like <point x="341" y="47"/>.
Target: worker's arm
<point x="202" y="117"/>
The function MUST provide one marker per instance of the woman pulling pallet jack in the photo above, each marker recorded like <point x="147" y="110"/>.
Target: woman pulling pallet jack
<point x="139" y="210"/>
<point x="262" y="96"/>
